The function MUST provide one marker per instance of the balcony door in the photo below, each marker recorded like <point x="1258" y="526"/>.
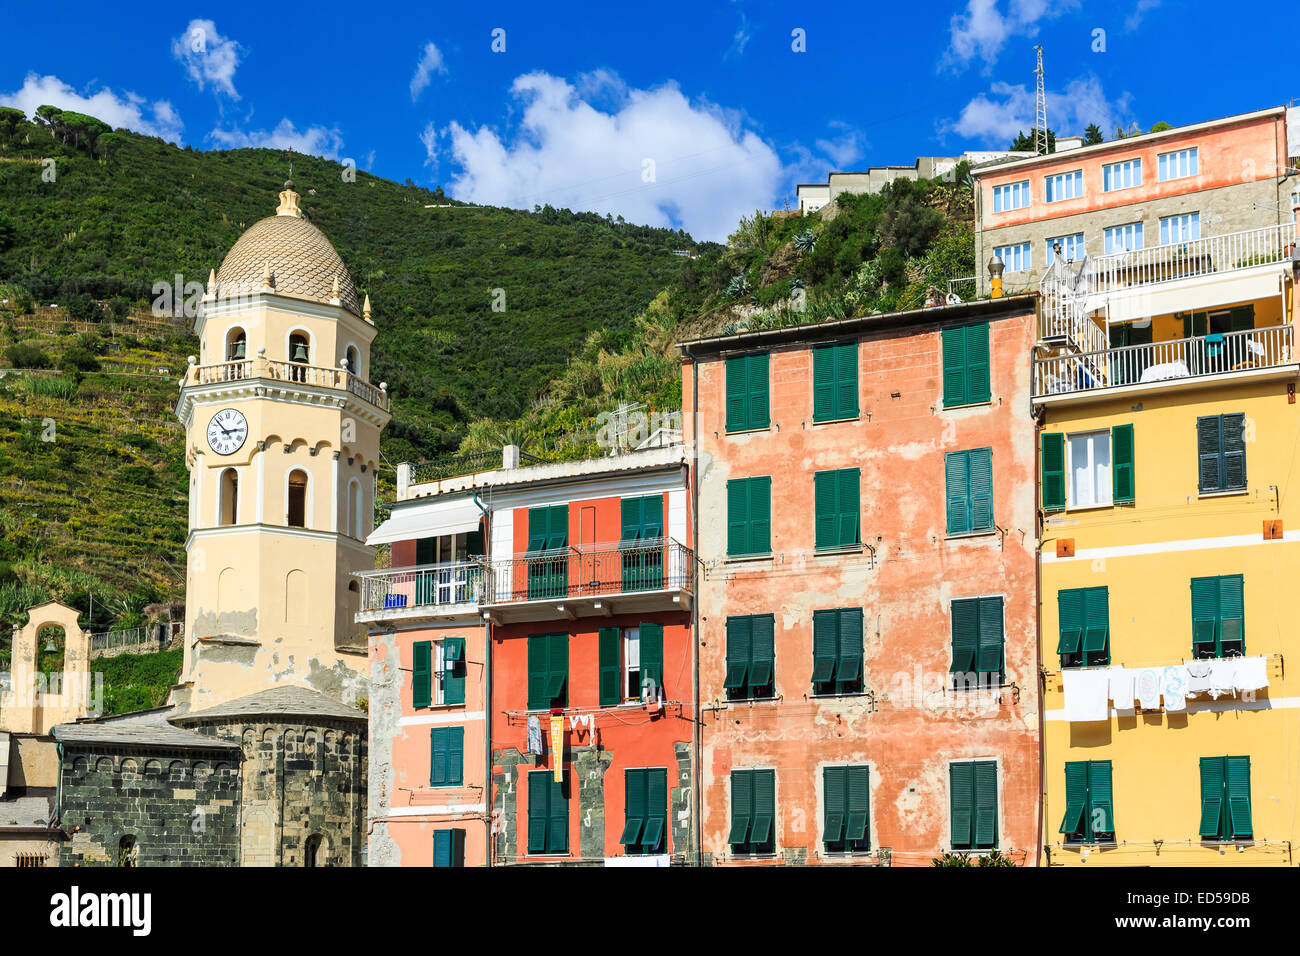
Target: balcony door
<point x="548" y="560"/>
<point x="642" y="543"/>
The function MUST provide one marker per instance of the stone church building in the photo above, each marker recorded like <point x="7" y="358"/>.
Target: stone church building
<point x="260" y="755"/>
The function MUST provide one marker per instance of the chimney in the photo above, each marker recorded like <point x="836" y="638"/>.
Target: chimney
<point x="510" y="457"/>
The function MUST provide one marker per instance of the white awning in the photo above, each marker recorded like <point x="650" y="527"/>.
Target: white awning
<point x="427" y="520"/>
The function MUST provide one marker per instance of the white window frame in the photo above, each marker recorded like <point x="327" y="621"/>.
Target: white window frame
<point x="1127" y="171"/>
<point x="1073" y="248"/>
<point x="1011" y="196"/>
<point x="1178" y="164"/>
<point x="630" y="638"/>
<point x="1105" y="492"/>
<point x="1133" y="229"/>
<point x="1186" y="222"/>
<point x="439" y="671"/>
<point x="1018" y="251"/>
<point x="1069" y="185"/>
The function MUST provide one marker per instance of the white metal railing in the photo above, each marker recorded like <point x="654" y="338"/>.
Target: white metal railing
<point x="426" y="585"/>
<point x="652" y="564"/>
<point x="1193" y="357"/>
<point x="1181" y="260"/>
<point x="300" y="372"/>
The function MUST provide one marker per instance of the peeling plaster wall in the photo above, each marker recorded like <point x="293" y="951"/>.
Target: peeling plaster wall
<point x="904" y="725"/>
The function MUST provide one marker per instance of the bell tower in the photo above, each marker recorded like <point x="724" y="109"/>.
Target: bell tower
<point x="282" y="440"/>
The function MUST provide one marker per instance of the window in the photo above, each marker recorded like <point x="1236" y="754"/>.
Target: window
<point x="1121" y="175"/>
<point x="296" y="505"/>
<point x="1101" y="469"/>
<point x="443" y="683"/>
<point x="1083" y="622"/>
<point x="300" y="355"/>
<point x="749" y="516"/>
<point x="128" y="851"/>
<point x="1011" y="196"/>
<point x="354" y="509"/>
<point x="631" y="662"/>
<point x="966" y="365"/>
<point x="1180" y="228"/>
<point x="978" y="652"/>
<point x="835" y="381"/>
<point x="1124" y="238"/>
<point x="1015" y="258"/>
<point x="747" y="393"/>
<point x="236" y="345"/>
<point x="837" y="506"/>
<point x="1225" y="799"/>
<point x="353" y="360"/>
<point x="229" y="497"/>
<point x="1218" y="616"/>
<point x="641" y="543"/>
<point x="548" y="814"/>
<point x="837" y="651"/>
<point x="969" y="477"/>
<point x="1089" y="816"/>
<point x="1221" y="452"/>
<point x="1177" y="165"/>
<point x="751" y="653"/>
<point x="449" y="847"/>
<point x="753" y="812"/>
<point x="548" y="535"/>
<point x="446" y="756"/>
<point x="846" y="795"/>
<point x="973" y="795"/>
<point x="548" y="671"/>
<point x="1072" y="248"/>
<point x="645" y="810"/>
<point x="1063" y="186"/>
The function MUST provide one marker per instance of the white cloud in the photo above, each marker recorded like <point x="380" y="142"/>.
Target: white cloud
<point x="844" y="149"/>
<point x="983" y="29"/>
<point x="314" y="140"/>
<point x="743" y="33"/>
<point x="128" y="110"/>
<point x="704" y="170"/>
<point x="1143" y="7"/>
<point x="996" y="117"/>
<point x="208" y="57"/>
<point x="430" y="63"/>
<point x="430" y="140"/>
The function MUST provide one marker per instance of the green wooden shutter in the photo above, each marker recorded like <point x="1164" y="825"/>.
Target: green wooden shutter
<point x="1239" y="797"/>
<point x="1076" y="797"/>
<point x="1123" y="485"/>
<point x="1232" y="615"/>
<point x="656" y="821"/>
<point x="965" y="636"/>
<point x="762" y="654"/>
<point x="954" y="367"/>
<point x="961" y="785"/>
<point x="849" y="666"/>
<point x="538" y="526"/>
<point x="986" y="804"/>
<point x="825" y="645"/>
<point x="1205" y="617"/>
<point x="1070" y="614"/>
<point x="764" y="806"/>
<point x="824" y="384"/>
<point x="539" y="791"/>
<point x="557" y="527"/>
<point x="652" y="517"/>
<point x="757" y="382"/>
<point x="739" y="650"/>
<point x="557" y="667"/>
<point x="737" y="393"/>
<point x="977" y="363"/>
<point x="1212" y="790"/>
<point x="760" y="515"/>
<point x="990" y="636"/>
<point x="652" y="654"/>
<point x="630" y="509"/>
<point x="826" y="509"/>
<point x="1096" y="621"/>
<point x="835" y="796"/>
<point x="981" y="489"/>
<point x="849" y="497"/>
<point x="537" y="673"/>
<point x="453" y="676"/>
<point x="1101" y="812"/>
<point x="859" y="798"/>
<point x="1208" y="448"/>
<point x="1234" y="452"/>
<point x="557" y="836"/>
<point x="635" y="810"/>
<point x="957" y="468"/>
<point x="455" y="755"/>
<point x="846" y="380"/>
<point x="442" y="841"/>
<point x="438" y="757"/>
<point x="738" y="516"/>
<point x="611" y="671"/>
<point x="1053" y="467"/>
<point x="421" y="673"/>
<point x="742" y="807"/>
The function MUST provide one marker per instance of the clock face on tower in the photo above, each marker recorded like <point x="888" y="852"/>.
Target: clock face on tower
<point x="227" y="431"/>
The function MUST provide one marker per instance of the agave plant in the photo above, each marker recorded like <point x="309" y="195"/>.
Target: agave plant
<point x="805" y="241"/>
<point x="737" y="287"/>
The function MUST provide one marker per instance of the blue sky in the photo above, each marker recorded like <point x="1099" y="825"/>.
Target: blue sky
<point x="681" y="114"/>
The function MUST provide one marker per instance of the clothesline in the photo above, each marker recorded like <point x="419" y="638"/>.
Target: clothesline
<point x="1088" y="691"/>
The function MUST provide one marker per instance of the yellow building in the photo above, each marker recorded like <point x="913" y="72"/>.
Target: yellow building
<point x="1165" y="386"/>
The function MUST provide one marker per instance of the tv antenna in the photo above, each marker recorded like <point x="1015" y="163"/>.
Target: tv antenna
<point x="1040" y="118"/>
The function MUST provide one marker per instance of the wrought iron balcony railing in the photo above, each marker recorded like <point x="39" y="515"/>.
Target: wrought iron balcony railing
<point x="661" y="564"/>
<point x="454" y="466"/>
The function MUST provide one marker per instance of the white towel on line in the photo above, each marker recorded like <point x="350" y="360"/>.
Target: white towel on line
<point x="1121" y="688"/>
<point x="1198" y="677"/>
<point x="1148" y="688"/>
<point x="1251" y="674"/>
<point x="1173" y="685"/>
<point x="1223" y="676"/>
<point x="1086" y="694"/>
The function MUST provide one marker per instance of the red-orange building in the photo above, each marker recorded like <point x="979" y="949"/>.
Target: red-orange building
<point x="867" y="617"/>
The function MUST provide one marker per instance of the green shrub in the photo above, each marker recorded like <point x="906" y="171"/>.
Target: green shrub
<point x="78" y="360"/>
<point x="27" y="355"/>
<point x="53" y="387"/>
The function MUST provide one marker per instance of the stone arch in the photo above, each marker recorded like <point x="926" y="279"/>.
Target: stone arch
<point x="104" y="765"/>
<point x="152" y="767"/>
<point x="129" y="765"/>
<point x="269" y="735"/>
<point x="176" y="768"/>
<point x="228" y="494"/>
<point x="300" y="336"/>
<point x="27" y="714"/>
<point x="79" y="767"/>
<point x="235" y="344"/>
<point x="297" y="498"/>
<point x="315" y="850"/>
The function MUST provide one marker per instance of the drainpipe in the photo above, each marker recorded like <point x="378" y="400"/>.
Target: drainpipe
<point x="487" y="703"/>
<point x="1038" y="639"/>
<point x="696" y="745"/>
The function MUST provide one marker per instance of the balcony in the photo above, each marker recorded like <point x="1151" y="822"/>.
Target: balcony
<point x="1254" y="353"/>
<point x="457" y="466"/>
<point x="648" y="576"/>
<point x="297" y="372"/>
<point x="423" y="592"/>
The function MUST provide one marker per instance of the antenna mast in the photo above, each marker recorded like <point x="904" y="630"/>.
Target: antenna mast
<point x="1040" y="120"/>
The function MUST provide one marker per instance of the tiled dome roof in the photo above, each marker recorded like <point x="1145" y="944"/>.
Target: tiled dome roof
<point x="303" y="263"/>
